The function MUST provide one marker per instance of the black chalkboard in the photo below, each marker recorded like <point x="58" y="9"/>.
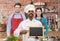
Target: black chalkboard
<point x="36" y="31"/>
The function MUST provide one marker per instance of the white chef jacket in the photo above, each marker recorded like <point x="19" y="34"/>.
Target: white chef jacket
<point x="24" y="25"/>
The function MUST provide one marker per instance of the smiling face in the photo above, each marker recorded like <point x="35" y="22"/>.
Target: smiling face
<point x="38" y="12"/>
<point x="17" y="8"/>
<point x="30" y="14"/>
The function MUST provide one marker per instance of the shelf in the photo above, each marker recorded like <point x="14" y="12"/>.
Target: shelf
<point x="52" y="12"/>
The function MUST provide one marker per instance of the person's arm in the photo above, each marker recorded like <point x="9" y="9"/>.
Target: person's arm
<point x="45" y="22"/>
<point x="9" y="26"/>
<point x="46" y="26"/>
<point x="20" y="30"/>
<point x="17" y="31"/>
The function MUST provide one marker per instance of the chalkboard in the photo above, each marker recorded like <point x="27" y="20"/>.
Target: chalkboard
<point x="35" y="31"/>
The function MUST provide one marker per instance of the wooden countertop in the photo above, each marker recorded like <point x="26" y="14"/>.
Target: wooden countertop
<point x="54" y="33"/>
<point x="3" y="35"/>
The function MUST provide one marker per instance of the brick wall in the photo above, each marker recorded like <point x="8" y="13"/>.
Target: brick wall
<point x="6" y="6"/>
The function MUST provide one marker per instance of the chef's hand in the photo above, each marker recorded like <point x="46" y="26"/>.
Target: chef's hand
<point x="23" y="32"/>
<point x="36" y="37"/>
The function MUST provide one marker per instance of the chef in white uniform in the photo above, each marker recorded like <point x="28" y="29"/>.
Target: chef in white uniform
<point x="23" y="27"/>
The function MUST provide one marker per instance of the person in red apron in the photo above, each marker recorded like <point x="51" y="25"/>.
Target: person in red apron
<point x="14" y="20"/>
<point x="15" y="23"/>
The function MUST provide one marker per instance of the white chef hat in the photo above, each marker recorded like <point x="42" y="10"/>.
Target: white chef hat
<point x="29" y="7"/>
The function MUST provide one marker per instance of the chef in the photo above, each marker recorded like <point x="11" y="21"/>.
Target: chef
<point x="23" y="27"/>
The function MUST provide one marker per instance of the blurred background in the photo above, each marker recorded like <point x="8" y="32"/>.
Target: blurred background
<point x="51" y="11"/>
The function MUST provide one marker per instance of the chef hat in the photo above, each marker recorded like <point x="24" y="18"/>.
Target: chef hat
<point x="29" y="7"/>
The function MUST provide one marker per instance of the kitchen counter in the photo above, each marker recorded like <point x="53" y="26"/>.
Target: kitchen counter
<point x="54" y="34"/>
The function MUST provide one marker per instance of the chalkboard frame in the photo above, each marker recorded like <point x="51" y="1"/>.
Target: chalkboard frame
<point x="38" y="36"/>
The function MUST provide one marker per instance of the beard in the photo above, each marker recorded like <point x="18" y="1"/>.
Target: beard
<point x="31" y="15"/>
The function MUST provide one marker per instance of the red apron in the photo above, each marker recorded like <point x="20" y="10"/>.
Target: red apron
<point x="15" y="23"/>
